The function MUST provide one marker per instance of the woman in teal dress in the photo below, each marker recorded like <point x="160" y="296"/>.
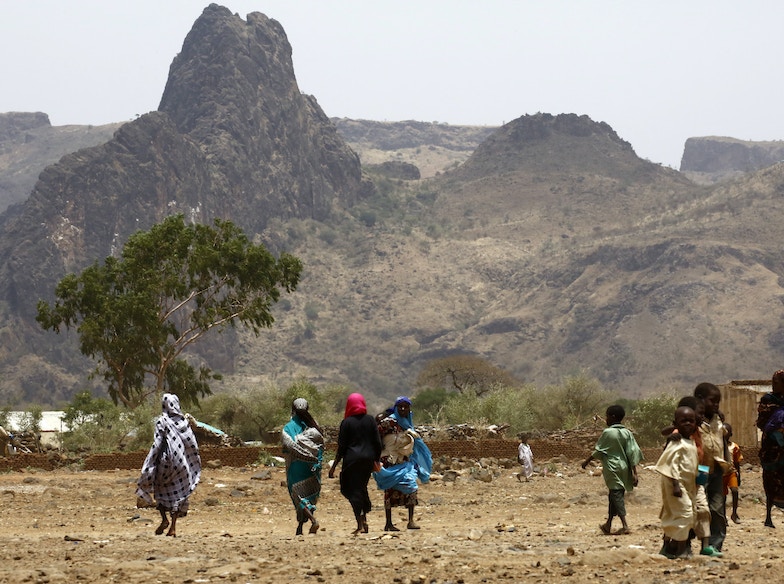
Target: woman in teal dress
<point x="303" y="448"/>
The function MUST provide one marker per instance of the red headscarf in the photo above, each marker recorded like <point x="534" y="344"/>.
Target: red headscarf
<point x="355" y="404"/>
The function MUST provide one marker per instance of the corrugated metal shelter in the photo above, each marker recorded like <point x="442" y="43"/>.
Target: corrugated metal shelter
<point x="739" y="401"/>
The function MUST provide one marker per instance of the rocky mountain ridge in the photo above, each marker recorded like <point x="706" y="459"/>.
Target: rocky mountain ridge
<point x="547" y="249"/>
<point x="715" y="158"/>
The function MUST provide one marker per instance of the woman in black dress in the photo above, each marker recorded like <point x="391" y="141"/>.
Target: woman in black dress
<point x="359" y="448"/>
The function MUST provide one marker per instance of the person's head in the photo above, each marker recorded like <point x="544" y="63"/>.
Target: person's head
<point x="614" y="415"/>
<point x="403" y="406"/>
<point x="729" y="430"/>
<point x="711" y="396"/>
<point x="695" y="404"/>
<point x="778" y="382"/>
<point x="355" y="404"/>
<point x="300" y="408"/>
<point x="523" y="437"/>
<point x="170" y="405"/>
<point x="685" y="421"/>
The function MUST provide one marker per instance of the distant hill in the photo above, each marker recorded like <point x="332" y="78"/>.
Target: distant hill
<point x="712" y="159"/>
<point x="29" y="143"/>
<point x="546" y="245"/>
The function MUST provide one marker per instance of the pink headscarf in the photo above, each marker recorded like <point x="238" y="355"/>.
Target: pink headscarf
<point x="355" y="404"/>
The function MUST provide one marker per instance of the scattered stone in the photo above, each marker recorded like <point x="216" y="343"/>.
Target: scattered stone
<point x="450" y="476"/>
<point x="262" y="475"/>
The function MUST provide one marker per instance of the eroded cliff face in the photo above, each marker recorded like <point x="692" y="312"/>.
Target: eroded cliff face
<point x="716" y="157"/>
<point x="233" y="138"/>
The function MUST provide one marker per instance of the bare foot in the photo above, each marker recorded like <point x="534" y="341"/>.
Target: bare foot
<point x="390" y="527"/>
<point x="412" y="525"/>
<point x="171" y="532"/>
<point x="162" y="527"/>
<point x="735" y="518"/>
<point x="604" y="528"/>
<point x="623" y="531"/>
<point x="314" y="528"/>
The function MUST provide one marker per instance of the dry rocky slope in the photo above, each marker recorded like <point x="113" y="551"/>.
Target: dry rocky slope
<point x="548" y="249"/>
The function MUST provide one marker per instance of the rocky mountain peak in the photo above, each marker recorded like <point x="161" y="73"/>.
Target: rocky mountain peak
<point x="233" y="138"/>
<point x="551" y="142"/>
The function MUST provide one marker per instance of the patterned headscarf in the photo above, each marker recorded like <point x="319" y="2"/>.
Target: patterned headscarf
<point x="301" y="409"/>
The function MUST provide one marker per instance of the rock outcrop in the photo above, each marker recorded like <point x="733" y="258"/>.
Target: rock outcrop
<point x="722" y="157"/>
<point x="233" y="138"/>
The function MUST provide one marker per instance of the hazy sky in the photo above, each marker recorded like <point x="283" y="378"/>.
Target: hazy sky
<point x="657" y="71"/>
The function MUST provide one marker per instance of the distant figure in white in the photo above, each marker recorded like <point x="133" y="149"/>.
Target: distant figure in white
<point x="525" y="457"/>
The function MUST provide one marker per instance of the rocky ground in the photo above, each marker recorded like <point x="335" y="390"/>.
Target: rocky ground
<point x="76" y="526"/>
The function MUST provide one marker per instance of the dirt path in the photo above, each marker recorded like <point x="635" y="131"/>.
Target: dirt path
<point x="67" y="526"/>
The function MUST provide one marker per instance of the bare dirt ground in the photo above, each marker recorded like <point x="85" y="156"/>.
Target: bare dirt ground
<point x="72" y="526"/>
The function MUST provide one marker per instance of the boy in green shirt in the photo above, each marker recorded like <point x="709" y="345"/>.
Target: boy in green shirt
<point x="619" y="454"/>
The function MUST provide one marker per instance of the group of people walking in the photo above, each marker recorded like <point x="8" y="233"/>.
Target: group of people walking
<point x="699" y="465"/>
<point x="385" y="447"/>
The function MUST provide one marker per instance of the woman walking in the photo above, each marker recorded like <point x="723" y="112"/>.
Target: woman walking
<point x="406" y="459"/>
<point x="359" y="448"/>
<point x="172" y="468"/>
<point x="303" y="448"/>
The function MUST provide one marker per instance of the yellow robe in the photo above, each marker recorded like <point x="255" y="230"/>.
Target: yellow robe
<point x="678" y="514"/>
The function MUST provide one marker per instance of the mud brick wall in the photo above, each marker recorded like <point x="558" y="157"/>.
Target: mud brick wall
<point x="543" y="450"/>
<point x="129" y="460"/>
<point x="20" y="461"/>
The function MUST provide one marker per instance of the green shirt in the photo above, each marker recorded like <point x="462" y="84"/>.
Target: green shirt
<point x="618" y="451"/>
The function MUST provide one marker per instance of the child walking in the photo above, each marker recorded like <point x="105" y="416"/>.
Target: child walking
<point x="678" y="466"/>
<point x="525" y="457"/>
<point x="732" y="479"/>
<point x="715" y="457"/>
<point x="702" y="515"/>
<point x="619" y="454"/>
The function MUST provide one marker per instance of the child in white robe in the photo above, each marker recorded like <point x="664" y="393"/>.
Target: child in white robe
<point x="526" y="458"/>
<point x="677" y="466"/>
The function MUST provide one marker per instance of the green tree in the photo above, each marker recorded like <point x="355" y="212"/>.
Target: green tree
<point x="31" y="420"/>
<point x="83" y="408"/>
<point x="566" y="406"/>
<point x="171" y="285"/>
<point x="95" y="424"/>
<point x="649" y="416"/>
<point x="428" y="403"/>
<point x="503" y="405"/>
<point x="464" y="373"/>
